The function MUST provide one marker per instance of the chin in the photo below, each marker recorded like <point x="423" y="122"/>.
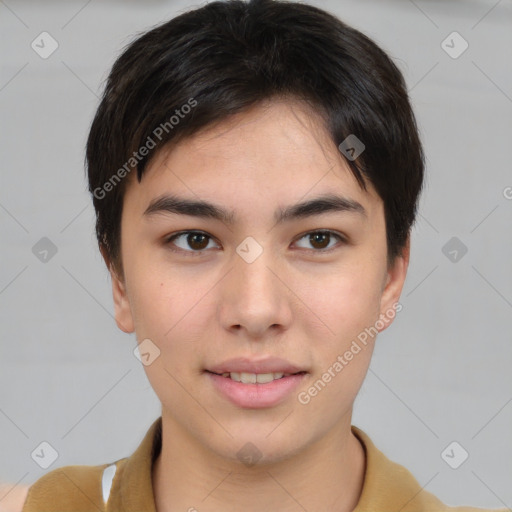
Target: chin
<point x="258" y="449"/>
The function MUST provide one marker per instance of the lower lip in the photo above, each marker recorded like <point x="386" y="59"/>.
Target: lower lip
<point x="256" y="396"/>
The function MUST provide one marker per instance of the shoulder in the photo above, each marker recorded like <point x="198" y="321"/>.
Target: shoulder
<point x="89" y="488"/>
<point x="71" y="489"/>
<point x="389" y="486"/>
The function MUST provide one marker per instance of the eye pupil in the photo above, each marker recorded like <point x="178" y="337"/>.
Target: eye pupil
<point x="319" y="237"/>
<point x="192" y="240"/>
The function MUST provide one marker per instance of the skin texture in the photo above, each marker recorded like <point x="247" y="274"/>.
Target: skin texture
<point x="12" y="497"/>
<point x="294" y="301"/>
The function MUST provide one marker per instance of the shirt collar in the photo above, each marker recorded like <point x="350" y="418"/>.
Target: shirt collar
<point x="133" y="490"/>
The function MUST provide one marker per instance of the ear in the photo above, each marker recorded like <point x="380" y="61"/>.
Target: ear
<point x="122" y="309"/>
<point x="392" y="289"/>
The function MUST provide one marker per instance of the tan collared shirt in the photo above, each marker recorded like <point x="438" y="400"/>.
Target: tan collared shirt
<point x="126" y="485"/>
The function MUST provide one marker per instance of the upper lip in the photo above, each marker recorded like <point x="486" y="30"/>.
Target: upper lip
<point x="248" y="365"/>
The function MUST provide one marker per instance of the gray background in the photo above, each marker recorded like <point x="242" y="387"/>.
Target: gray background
<point x="440" y="373"/>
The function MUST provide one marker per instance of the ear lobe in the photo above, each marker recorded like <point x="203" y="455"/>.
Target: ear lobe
<point x="392" y="290"/>
<point x="122" y="309"/>
<point x="123" y="312"/>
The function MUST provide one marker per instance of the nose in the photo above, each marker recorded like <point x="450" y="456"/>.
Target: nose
<point x="254" y="299"/>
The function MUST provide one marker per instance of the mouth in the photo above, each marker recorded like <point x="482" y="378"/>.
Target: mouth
<point x="256" y="390"/>
<point x="255" y="378"/>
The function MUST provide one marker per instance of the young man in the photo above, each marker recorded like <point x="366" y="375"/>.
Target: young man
<point x="255" y="169"/>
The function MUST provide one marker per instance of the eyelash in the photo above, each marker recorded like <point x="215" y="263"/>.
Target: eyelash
<point x="170" y="239"/>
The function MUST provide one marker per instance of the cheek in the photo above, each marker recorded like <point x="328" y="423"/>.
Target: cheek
<point x="149" y="286"/>
<point x="173" y="310"/>
<point x="157" y="307"/>
<point x="348" y="304"/>
<point x="165" y="312"/>
<point x="348" y="300"/>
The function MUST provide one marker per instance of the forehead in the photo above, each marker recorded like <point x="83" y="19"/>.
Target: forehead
<point x="277" y="152"/>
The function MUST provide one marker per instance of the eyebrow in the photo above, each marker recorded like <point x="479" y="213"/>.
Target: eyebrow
<point x="326" y="203"/>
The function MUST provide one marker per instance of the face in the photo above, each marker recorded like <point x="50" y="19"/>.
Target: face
<point x="254" y="283"/>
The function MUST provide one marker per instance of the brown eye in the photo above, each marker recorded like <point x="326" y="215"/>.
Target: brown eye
<point x="320" y="240"/>
<point x="189" y="241"/>
<point x="197" y="241"/>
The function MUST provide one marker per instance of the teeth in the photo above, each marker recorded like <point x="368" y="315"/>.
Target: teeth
<point x="265" y="377"/>
<point x="248" y="378"/>
<point x="253" y="378"/>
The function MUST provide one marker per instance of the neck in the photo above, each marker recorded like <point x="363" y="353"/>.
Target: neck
<point x="326" y="475"/>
